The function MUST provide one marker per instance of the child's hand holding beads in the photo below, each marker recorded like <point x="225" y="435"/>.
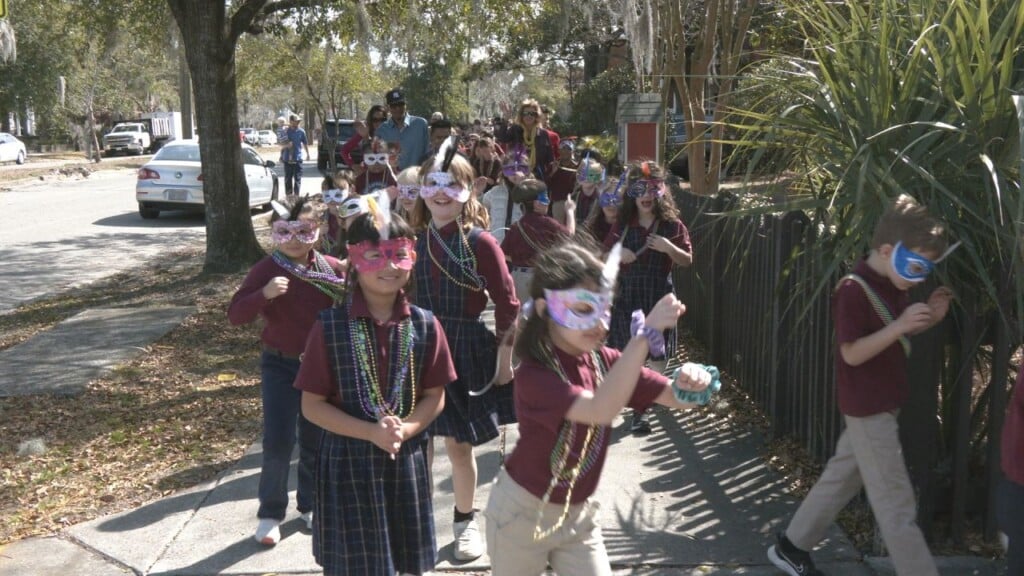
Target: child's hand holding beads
<point x="665" y="313"/>
<point x="692" y="377"/>
<point x="278" y="285"/>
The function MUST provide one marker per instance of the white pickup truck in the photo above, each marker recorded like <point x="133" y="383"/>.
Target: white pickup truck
<point x="146" y="134"/>
<point x="127" y="137"/>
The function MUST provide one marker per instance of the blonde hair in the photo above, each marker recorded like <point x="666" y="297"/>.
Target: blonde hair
<point x="473" y="212"/>
<point x="410" y="175"/>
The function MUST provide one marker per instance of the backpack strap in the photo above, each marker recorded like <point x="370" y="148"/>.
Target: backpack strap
<point x="883" y="312"/>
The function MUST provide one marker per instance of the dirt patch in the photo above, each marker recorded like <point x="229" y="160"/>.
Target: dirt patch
<point x="64" y="166"/>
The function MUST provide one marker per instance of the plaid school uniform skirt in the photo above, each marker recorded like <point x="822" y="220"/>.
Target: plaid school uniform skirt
<point x="473" y="419"/>
<point x="374" y="515"/>
<point x="639" y="290"/>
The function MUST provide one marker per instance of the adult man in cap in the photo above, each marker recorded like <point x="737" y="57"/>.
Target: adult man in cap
<point x="408" y="132"/>
<point x="291" y="155"/>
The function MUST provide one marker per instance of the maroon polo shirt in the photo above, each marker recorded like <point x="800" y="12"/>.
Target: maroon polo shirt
<point x="287" y="318"/>
<point x="542" y="400"/>
<point x="490" y="263"/>
<point x="315" y="374"/>
<point x="369" y="182"/>
<point x="542" y="230"/>
<point x="1013" y="434"/>
<point x="879" y="384"/>
<point x="561" y="183"/>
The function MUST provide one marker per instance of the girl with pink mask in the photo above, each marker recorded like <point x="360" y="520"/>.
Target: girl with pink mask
<point x="287" y="289"/>
<point x="460" y="266"/>
<point x="373" y="377"/>
<point x="569" y="389"/>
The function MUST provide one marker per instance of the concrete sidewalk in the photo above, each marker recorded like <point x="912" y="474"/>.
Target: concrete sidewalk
<point x="694" y="497"/>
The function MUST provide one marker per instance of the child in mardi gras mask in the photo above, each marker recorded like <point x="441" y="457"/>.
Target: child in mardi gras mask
<point x="287" y="289"/>
<point x="568" y="390"/>
<point x="373" y="376"/>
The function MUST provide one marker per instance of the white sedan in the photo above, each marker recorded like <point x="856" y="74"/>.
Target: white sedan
<point x="12" y="149"/>
<point x="267" y="138"/>
<point x="173" y="179"/>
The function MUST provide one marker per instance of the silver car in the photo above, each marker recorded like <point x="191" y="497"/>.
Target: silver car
<point x="12" y="149"/>
<point x="172" y="180"/>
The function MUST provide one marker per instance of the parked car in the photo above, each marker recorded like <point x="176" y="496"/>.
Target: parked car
<point x="250" y="136"/>
<point x="12" y="149"/>
<point x="267" y="138"/>
<point x="339" y="131"/>
<point x="173" y="179"/>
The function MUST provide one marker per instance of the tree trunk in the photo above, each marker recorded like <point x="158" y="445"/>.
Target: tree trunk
<point x="210" y="50"/>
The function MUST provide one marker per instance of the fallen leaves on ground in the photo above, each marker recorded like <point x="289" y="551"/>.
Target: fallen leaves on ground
<point x="164" y="421"/>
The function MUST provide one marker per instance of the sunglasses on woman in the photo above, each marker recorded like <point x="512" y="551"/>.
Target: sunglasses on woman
<point x="529" y="114"/>
<point x="378" y="119"/>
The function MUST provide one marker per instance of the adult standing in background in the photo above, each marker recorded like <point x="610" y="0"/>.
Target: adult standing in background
<point x="291" y="155"/>
<point x="538" y="143"/>
<point x="374" y="118"/>
<point x="407" y="133"/>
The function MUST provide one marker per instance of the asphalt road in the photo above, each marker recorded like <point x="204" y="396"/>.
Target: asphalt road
<point x="57" y="234"/>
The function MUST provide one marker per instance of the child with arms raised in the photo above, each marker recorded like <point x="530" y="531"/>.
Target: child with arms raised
<point x="569" y="388"/>
<point x="373" y="377"/>
<point x="287" y="289"/>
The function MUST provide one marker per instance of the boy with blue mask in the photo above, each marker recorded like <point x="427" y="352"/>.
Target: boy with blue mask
<point x="873" y="318"/>
<point x="534" y="232"/>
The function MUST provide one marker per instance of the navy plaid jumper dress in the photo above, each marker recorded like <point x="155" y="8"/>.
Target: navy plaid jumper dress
<point x="473" y="419"/>
<point x="641" y="285"/>
<point x="374" y="515"/>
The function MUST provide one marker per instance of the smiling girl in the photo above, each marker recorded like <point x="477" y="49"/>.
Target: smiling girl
<point x="459" y="267"/>
<point x="654" y="240"/>
<point x="373" y="377"/>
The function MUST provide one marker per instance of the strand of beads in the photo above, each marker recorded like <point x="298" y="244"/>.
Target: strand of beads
<point x="465" y="261"/>
<point x="562" y="475"/>
<point x="374" y="401"/>
<point x="320" y="275"/>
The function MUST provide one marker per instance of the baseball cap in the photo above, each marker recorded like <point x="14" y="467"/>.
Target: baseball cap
<point x="295" y="118"/>
<point x="395" y="96"/>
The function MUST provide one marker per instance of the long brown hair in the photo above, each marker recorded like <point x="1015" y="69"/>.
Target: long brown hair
<point x="562" y="266"/>
<point x="664" y="206"/>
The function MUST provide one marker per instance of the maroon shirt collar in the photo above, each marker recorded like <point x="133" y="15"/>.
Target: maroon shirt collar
<point x="879" y="282"/>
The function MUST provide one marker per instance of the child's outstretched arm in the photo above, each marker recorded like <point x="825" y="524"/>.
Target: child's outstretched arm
<point x="601" y="406"/>
<point x="915" y="318"/>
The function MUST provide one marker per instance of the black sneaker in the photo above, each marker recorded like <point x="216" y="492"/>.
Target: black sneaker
<point x="790" y="559"/>
<point x="640" y="425"/>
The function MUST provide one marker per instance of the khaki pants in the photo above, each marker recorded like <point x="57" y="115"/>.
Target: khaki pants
<point x="868" y="454"/>
<point x="575" y="549"/>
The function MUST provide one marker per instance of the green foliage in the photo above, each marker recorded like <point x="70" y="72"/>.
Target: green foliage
<point x="905" y="97"/>
<point x="594" y="106"/>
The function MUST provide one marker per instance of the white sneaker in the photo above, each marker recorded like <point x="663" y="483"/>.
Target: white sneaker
<point x="307" y="517"/>
<point x="268" y="532"/>
<point x="468" y="544"/>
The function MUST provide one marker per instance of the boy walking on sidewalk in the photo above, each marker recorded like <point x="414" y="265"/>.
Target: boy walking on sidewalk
<point x="873" y="319"/>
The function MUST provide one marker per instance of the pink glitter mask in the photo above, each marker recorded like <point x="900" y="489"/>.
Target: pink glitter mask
<point x="370" y="257"/>
<point x="302" y="230"/>
<point x="579" y="309"/>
